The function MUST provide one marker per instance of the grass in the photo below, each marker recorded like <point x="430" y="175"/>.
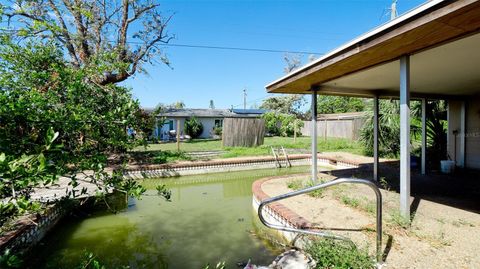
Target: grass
<point x="337" y="254"/>
<point x="331" y="144"/>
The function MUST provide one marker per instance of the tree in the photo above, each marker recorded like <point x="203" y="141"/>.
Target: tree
<point x="281" y="124"/>
<point x="54" y="122"/>
<point x="193" y="127"/>
<point x="287" y="104"/>
<point x="388" y="129"/>
<point x="292" y="61"/>
<point x="178" y="105"/>
<point x="85" y="30"/>
<point x="339" y="104"/>
<point x="212" y="105"/>
<point x="436" y="119"/>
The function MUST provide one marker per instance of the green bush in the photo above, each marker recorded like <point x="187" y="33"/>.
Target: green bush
<point x="193" y="127"/>
<point x="281" y="124"/>
<point x="217" y="130"/>
<point x="338" y="254"/>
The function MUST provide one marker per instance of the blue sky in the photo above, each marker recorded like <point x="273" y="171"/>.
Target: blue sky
<point x="201" y="75"/>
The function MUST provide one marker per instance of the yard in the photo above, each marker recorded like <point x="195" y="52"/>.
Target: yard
<point x="301" y="145"/>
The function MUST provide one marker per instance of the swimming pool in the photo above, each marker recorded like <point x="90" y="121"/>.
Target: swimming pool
<point x="209" y="219"/>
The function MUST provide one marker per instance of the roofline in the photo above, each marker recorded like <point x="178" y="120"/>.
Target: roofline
<point x="390" y="24"/>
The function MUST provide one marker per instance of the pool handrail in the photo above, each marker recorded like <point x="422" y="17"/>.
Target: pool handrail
<point x="337" y="181"/>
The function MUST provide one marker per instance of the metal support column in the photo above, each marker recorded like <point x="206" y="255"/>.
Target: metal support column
<point x="314" y="135"/>
<point x="405" y="136"/>
<point x="424" y="136"/>
<point x="462" y="134"/>
<point x="375" y="138"/>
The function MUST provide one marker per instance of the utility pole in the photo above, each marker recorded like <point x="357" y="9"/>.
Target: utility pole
<point x="244" y="98"/>
<point x="393" y="10"/>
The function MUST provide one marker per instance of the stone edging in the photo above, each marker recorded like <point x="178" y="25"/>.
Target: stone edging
<point x="28" y="232"/>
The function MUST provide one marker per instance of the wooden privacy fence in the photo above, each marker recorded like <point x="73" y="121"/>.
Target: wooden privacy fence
<point x="243" y="132"/>
<point x="345" y="125"/>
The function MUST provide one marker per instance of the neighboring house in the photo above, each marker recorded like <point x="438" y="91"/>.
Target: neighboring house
<point x="429" y="53"/>
<point x="210" y="119"/>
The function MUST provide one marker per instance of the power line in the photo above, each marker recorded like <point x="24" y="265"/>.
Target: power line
<point x="213" y="47"/>
<point x="230" y="48"/>
<point x="241" y="49"/>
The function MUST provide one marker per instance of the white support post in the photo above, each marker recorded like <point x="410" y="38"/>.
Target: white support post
<point x="314" y="135"/>
<point x="424" y="136"/>
<point x="375" y="138"/>
<point x="462" y="134"/>
<point x="405" y="136"/>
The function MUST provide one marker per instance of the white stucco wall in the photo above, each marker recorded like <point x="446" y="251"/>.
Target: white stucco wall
<point x="471" y="132"/>
<point x="208" y="124"/>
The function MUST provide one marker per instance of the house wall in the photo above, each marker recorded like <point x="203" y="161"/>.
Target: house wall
<point x="208" y="124"/>
<point x="471" y="132"/>
<point x="163" y="130"/>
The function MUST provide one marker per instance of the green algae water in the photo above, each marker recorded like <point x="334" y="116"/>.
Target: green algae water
<point x="209" y="219"/>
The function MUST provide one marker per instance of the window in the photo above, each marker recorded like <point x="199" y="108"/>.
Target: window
<point x="218" y="123"/>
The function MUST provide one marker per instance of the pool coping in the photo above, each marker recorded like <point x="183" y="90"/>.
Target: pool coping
<point x="227" y="165"/>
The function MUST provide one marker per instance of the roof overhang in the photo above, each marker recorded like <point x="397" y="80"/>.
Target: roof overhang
<point x="443" y="41"/>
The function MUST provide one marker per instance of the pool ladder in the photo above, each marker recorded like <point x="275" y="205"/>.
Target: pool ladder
<point x="277" y="159"/>
<point x="337" y="181"/>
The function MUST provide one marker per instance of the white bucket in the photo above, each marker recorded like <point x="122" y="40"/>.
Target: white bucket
<point x="447" y="166"/>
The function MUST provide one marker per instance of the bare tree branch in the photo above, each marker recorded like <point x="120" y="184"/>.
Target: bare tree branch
<point x="96" y="33"/>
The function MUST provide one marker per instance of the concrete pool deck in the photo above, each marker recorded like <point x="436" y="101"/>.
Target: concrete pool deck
<point x="441" y="235"/>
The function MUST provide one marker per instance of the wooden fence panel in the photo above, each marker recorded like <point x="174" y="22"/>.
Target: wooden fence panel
<point x="243" y="132"/>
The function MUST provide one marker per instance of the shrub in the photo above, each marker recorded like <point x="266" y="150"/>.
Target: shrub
<point x="193" y="127"/>
<point x="217" y="130"/>
<point x="281" y="124"/>
<point x="338" y="254"/>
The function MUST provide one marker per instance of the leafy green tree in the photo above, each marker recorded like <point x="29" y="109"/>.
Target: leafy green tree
<point x="281" y="124"/>
<point x="109" y="40"/>
<point x="286" y="104"/>
<point x="193" y="127"/>
<point x="54" y="121"/>
<point x="339" y="104"/>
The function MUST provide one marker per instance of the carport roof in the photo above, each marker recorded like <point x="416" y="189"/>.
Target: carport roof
<point x="443" y="41"/>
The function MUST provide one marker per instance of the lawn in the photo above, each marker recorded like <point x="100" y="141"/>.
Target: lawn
<point x="331" y="144"/>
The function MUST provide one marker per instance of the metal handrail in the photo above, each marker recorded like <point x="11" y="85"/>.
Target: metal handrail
<point x="369" y="183"/>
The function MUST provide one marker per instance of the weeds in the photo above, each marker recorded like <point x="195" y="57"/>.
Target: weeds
<point x="399" y="220"/>
<point x="220" y="265"/>
<point x="301" y="184"/>
<point x="164" y="192"/>
<point x="462" y="222"/>
<point x="337" y="254"/>
<point x="350" y="201"/>
<point x="295" y="184"/>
